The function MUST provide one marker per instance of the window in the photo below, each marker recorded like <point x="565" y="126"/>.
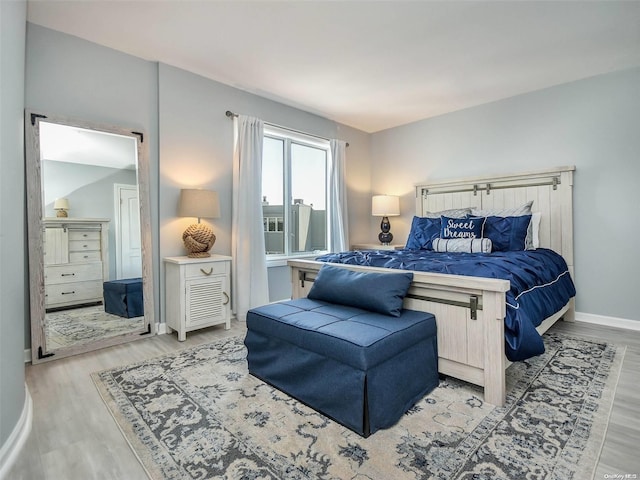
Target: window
<point x="294" y="193"/>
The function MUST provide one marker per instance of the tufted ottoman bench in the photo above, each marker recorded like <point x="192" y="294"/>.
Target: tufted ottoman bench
<point x="364" y="369"/>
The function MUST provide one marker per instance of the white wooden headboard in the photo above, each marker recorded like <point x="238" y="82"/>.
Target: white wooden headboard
<point x="551" y="191"/>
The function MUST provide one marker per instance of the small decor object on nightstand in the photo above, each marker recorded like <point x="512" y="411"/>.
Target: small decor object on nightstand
<point x="61" y="206"/>
<point x="385" y="206"/>
<point x="198" y="238"/>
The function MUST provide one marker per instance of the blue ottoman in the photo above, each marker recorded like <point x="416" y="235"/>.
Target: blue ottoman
<point x="361" y="368"/>
<point x="124" y="297"/>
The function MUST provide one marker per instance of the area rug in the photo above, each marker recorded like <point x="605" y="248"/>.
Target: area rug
<point x="198" y="414"/>
<point x="86" y="324"/>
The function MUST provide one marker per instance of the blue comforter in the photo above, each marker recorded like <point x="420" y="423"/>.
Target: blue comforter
<point x="540" y="284"/>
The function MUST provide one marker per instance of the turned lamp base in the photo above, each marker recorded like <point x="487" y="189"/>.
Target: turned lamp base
<point x="385" y="236"/>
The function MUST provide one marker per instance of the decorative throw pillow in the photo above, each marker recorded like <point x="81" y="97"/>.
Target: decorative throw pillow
<point x="376" y="292"/>
<point x="469" y="227"/>
<point x="423" y="231"/>
<point x="507" y="233"/>
<point x="468" y="245"/>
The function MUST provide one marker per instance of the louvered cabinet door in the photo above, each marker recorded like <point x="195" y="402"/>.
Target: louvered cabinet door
<point x="197" y="293"/>
<point x="206" y="302"/>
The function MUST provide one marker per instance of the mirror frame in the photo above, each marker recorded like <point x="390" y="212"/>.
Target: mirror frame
<point x="39" y="351"/>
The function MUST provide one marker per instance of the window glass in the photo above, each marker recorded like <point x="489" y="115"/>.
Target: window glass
<point x="309" y="194"/>
<point x="273" y="195"/>
<point x="294" y="193"/>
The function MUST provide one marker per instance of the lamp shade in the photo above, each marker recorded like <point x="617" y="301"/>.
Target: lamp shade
<point x="385" y="205"/>
<point x="61" y="204"/>
<point x="198" y="203"/>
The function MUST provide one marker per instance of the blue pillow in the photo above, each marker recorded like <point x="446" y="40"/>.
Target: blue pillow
<point x="470" y="227"/>
<point x="376" y="292"/>
<point x="507" y="234"/>
<point x="423" y="231"/>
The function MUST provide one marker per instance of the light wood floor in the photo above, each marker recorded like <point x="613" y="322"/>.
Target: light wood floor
<point x="74" y="437"/>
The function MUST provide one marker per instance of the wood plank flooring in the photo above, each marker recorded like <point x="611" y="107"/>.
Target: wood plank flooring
<point x="74" y="437"/>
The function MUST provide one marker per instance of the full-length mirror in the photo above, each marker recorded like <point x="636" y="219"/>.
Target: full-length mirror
<point x="89" y="236"/>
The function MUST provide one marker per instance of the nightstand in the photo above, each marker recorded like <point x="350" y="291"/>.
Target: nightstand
<point x="197" y="293"/>
<point x="375" y="246"/>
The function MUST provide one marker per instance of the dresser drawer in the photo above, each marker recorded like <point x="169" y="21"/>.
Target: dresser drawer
<point x="73" y="293"/>
<point x="84" y="235"/>
<point x="203" y="270"/>
<point x="83" y="245"/>
<point x="88" y="256"/>
<point x="72" y="272"/>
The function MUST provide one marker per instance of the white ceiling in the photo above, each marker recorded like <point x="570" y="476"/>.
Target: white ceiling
<point x="368" y="64"/>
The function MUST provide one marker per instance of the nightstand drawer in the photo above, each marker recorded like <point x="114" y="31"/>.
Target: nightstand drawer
<point x="206" y="269"/>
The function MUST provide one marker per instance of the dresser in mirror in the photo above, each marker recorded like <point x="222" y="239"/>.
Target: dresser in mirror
<point x="89" y="235"/>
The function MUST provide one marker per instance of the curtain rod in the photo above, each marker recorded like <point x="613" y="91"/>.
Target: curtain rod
<point x="230" y="114"/>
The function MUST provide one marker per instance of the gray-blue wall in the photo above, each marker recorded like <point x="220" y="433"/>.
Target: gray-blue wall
<point x="13" y="263"/>
<point x="593" y="124"/>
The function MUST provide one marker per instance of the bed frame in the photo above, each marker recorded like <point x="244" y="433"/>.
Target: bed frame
<point x="470" y="311"/>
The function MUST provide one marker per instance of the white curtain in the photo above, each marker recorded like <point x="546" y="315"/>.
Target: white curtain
<point x="249" y="266"/>
<point x="339" y="241"/>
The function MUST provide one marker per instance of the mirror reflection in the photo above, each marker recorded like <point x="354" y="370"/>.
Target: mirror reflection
<point x="92" y="260"/>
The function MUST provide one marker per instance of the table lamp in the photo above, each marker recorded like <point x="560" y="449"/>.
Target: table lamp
<point x="61" y="206"/>
<point x="198" y="238"/>
<point x="385" y="206"/>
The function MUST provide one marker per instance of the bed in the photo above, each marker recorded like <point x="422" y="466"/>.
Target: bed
<point x="471" y="311"/>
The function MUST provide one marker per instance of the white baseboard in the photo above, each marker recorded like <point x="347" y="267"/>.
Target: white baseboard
<point x="608" y="321"/>
<point x="27" y="355"/>
<point x="11" y="449"/>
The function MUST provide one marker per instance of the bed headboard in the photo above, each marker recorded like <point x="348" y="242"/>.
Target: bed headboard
<point x="551" y="191"/>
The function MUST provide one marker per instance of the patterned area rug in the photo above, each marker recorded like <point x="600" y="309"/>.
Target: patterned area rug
<point x="86" y="324"/>
<point x="198" y="414"/>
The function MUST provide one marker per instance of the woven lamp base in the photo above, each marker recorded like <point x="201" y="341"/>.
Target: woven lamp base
<point x="198" y="240"/>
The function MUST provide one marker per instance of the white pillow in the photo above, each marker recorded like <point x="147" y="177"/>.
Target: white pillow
<point x="504" y="212"/>
<point x="532" y="241"/>
<point x="533" y="232"/>
<point x="453" y="213"/>
<point x="468" y="245"/>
